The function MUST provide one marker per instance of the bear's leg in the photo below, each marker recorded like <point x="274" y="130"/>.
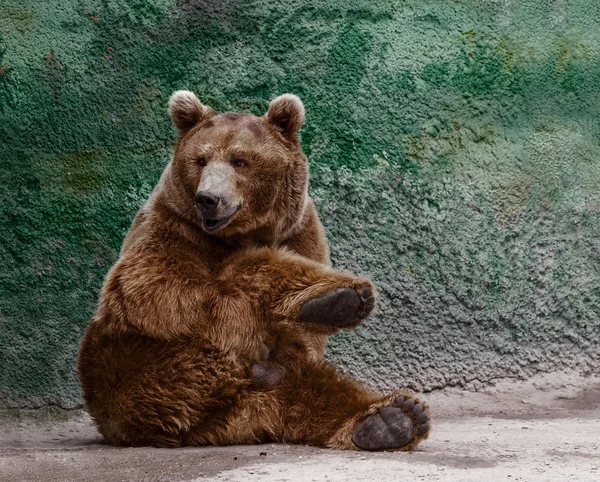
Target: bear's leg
<point x="325" y="408"/>
<point x="296" y="288"/>
<point x="315" y="405"/>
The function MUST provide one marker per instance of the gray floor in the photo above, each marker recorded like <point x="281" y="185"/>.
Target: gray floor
<point x="543" y="430"/>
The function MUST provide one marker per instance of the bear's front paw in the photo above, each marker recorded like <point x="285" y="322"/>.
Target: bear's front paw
<point x="342" y="307"/>
<point x="266" y="375"/>
<point x="400" y="425"/>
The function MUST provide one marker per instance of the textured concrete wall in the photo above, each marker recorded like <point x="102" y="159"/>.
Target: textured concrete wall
<point x="454" y="150"/>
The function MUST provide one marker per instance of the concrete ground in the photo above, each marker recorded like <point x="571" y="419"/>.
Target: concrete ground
<point x="546" y="429"/>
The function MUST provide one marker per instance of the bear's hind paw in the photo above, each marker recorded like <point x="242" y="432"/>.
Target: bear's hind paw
<point x="399" y="426"/>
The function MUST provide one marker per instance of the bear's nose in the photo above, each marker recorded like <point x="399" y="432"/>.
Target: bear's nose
<point x="207" y="201"/>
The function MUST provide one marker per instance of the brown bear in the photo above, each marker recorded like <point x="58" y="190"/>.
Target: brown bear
<point x="212" y="325"/>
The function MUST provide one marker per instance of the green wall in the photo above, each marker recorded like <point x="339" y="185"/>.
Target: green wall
<point x="454" y="149"/>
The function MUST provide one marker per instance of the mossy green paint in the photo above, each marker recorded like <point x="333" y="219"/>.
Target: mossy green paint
<point x="454" y="151"/>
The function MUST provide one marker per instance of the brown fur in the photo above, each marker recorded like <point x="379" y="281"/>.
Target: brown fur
<point x="184" y="314"/>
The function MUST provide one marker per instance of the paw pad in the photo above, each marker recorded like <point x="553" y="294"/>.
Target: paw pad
<point x="340" y="307"/>
<point x="266" y="375"/>
<point x="393" y="426"/>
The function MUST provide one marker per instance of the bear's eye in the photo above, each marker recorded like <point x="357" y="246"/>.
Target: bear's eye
<point x="201" y="161"/>
<point x="238" y="163"/>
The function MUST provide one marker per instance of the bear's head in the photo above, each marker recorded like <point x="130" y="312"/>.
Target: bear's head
<point x="238" y="174"/>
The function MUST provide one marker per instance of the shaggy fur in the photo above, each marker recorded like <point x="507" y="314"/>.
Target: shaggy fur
<point x="198" y="337"/>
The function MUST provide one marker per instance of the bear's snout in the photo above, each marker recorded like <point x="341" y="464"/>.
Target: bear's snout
<point x="216" y="210"/>
<point x="207" y="202"/>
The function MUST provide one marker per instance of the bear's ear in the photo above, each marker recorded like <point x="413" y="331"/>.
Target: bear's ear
<point x="286" y="113"/>
<point x="186" y="110"/>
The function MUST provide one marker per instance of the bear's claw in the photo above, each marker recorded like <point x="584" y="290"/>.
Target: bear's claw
<point x="341" y="307"/>
<point x="394" y="426"/>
